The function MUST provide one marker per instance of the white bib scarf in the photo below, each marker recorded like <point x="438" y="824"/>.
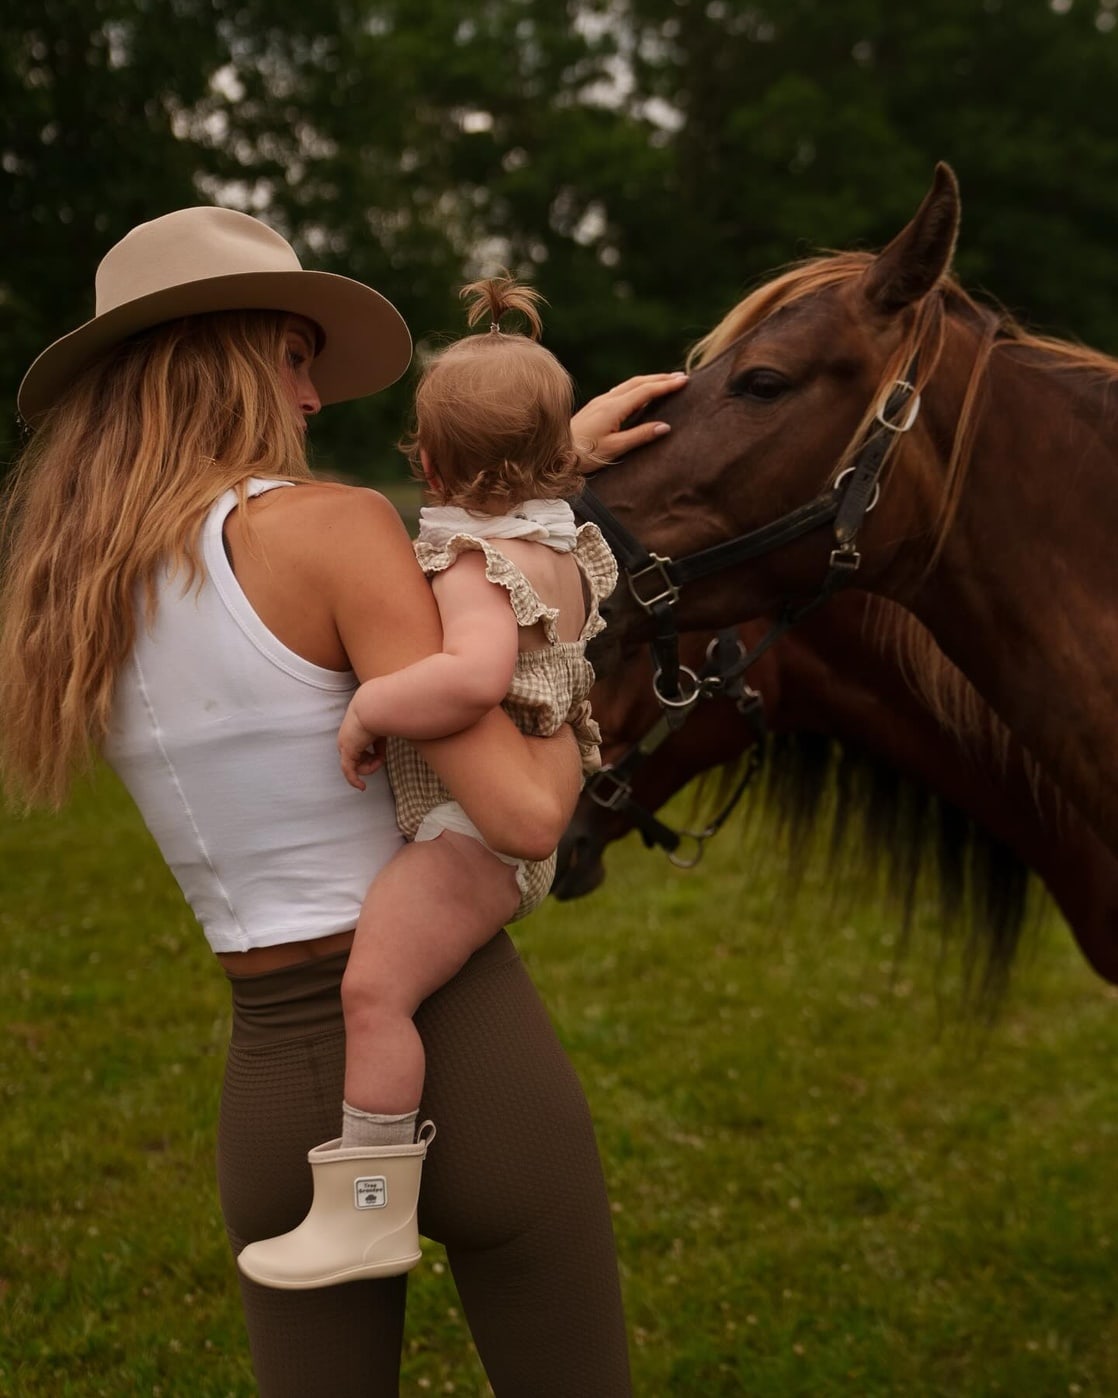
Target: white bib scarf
<point x="550" y="522"/>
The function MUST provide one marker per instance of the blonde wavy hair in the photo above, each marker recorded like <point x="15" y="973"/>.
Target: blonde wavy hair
<point x="493" y="411"/>
<point x="111" y="489"/>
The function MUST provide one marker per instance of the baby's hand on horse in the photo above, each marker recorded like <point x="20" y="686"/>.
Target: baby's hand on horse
<point x="597" y="427"/>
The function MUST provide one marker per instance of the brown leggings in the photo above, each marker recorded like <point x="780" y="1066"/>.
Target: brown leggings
<point x="512" y="1187"/>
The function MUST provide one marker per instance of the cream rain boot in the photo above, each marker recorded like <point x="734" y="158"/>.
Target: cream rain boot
<point x="362" y="1221"/>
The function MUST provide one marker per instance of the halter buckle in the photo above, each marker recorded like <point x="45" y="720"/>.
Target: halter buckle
<point x="912" y="407"/>
<point x="660" y="567"/>
<point x="619" y="791"/>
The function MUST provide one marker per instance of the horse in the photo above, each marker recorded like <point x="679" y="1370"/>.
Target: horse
<point x="862" y="419"/>
<point x="906" y="786"/>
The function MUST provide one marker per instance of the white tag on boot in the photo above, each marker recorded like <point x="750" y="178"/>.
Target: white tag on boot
<point x="370" y="1192"/>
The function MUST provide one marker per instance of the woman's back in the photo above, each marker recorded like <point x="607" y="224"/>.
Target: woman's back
<point x="225" y="738"/>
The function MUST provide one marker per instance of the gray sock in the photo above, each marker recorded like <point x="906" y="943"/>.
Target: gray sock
<point x="372" y="1129"/>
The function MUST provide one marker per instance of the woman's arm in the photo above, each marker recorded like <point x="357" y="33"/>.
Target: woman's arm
<point x="519" y="791"/>
<point x="521" y="795"/>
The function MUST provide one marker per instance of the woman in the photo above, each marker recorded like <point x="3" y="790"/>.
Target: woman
<point x="180" y="595"/>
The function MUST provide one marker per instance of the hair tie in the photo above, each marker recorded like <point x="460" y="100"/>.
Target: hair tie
<point x="494" y="328"/>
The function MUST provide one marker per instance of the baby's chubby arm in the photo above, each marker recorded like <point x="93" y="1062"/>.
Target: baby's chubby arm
<point x="445" y="692"/>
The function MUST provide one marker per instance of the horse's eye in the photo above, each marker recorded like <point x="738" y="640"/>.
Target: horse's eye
<point x="762" y="384"/>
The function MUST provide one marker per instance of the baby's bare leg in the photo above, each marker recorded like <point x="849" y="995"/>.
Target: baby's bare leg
<point x="427" y="911"/>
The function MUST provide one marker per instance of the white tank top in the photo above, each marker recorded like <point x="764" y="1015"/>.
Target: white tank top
<point x="226" y="741"/>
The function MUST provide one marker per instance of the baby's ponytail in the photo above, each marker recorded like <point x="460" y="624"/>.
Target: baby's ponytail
<point x="497" y="297"/>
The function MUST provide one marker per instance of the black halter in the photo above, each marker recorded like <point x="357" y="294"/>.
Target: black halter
<point x="655" y="581"/>
<point x="722" y="676"/>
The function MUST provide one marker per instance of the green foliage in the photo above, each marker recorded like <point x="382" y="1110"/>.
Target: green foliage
<point x="823" y="1181"/>
<point x="89" y="91"/>
<point x="643" y="160"/>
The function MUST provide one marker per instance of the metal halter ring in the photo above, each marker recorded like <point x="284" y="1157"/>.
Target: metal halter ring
<point x="712" y="650"/>
<point x="912" y="408"/>
<point x="874" y="498"/>
<point x="688" y="861"/>
<point x="685" y="700"/>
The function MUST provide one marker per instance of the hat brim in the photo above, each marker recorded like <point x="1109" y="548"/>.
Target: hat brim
<point x="366" y="345"/>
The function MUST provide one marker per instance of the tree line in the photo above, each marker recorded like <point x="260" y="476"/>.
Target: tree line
<point x="642" y="161"/>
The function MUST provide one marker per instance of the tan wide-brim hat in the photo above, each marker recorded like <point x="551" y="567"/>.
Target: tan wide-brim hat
<point x="210" y="259"/>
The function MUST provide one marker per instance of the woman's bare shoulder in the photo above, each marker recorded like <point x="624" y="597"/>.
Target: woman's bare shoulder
<point x="324" y="498"/>
<point x="322" y="535"/>
<point x="331" y="571"/>
<point x="324" y="513"/>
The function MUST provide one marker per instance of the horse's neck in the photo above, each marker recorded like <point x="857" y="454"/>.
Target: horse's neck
<point x="1031" y="542"/>
<point x="842" y="671"/>
<point x="1024" y="597"/>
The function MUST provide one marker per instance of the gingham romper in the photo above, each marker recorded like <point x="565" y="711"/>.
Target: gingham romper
<point x="550" y="686"/>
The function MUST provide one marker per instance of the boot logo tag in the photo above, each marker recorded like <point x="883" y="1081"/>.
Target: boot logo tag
<point x="370" y="1192"/>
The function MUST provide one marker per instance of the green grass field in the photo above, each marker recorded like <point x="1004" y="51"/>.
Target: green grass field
<point x="825" y="1181"/>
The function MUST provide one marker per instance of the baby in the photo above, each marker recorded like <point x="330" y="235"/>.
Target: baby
<point x="518" y="587"/>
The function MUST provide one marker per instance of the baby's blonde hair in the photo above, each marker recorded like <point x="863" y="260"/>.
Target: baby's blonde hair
<point x="493" y="411"/>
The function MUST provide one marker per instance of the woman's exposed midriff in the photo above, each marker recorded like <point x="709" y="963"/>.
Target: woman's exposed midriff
<point x="259" y="960"/>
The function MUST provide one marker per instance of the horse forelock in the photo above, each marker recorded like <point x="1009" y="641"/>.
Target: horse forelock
<point x="795" y="283"/>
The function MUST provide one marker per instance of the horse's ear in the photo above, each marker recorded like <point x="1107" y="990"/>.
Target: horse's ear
<point x="921" y="253"/>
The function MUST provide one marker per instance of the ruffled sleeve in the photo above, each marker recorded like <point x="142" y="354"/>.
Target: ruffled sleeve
<point x="599" y="568"/>
<point x="499" y="569"/>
